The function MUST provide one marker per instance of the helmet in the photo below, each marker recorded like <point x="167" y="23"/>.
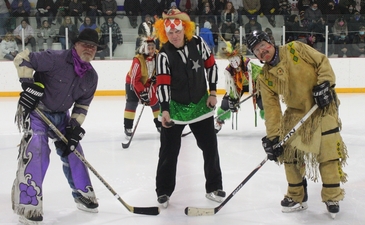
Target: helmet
<point x="256" y="37"/>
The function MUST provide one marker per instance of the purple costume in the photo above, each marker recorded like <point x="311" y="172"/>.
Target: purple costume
<point x="64" y="88"/>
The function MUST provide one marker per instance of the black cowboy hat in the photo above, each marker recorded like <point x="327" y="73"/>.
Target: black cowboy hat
<point x="89" y="36"/>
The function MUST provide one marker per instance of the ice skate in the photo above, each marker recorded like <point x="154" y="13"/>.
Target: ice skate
<point x="216" y="196"/>
<point x="128" y="132"/>
<point x="163" y="200"/>
<point x="34" y="220"/>
<point x="218" y="125"/>
<point x="86" y="204"/>
<point x="333" y="207"/>
<point x="289" y="205"/>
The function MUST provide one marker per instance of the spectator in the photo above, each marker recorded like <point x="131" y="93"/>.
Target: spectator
<point x="166" y="5"/>
<point x="269" y="33"/>
<point x="93" y="10"/>
<point x="359" y="7"/>
<point x="20" y="8"/>
<point x="87" y="24"/>
<point x="45" y="35"/>
<point x="252" y="25"/>
<point x="340" y="36"/>
<point x="354" y="24"/>
<point x="229" y="19"/>
<point x="72" y="32"/>
<point x="145" y="30"/>
<point x="62" y="9"/>
<point x="45" y="8"/>
<point x="190" y="7"/>
<point x="332" y="12"/>
<point x="238" y="6"/>
<point x="215" y="32"/>
<point x="350" y="11"/>
<point x="269" y="8"/>
<point x="292" y="28"/>
<point x="235" y="39"/>
<point x="284" y="9"/>
<point x="220" y="6"/>
<point x="343" y="5"/>
<point x="207" y="35"/>
<point x="28" y="34"/>
<point x="251" y="8"/>
<point x="312" y="15"/>
<point x="319" y="31"/>
<point x="150" y="7"/>
<point x="117" y="38"/>
<point x="109" y="9"/>
<point x="303" y="5"/>
<point x="206" y="15"/>
<point x="132" y="9"/>
<point x="75" y="10"/>
<point x="4" y="16"/>
<point x="9" y="47"/>
<point x="358" y="44"/>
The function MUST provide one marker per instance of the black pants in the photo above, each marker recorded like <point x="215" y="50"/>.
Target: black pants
<point x="169" y="151"/>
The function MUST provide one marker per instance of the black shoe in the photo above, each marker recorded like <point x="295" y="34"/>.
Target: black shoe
<point x="332" y="206"/>
<point x="128" y="132"/>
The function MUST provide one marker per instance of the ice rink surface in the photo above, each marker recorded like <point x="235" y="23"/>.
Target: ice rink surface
<point x="131" y="172"/>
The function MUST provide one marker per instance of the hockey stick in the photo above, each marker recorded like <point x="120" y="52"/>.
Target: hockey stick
<point x="223" y="113"/>
<point x="192" y="211"/>
<point x="138" y="210"/>
<point x="126" y="145"/>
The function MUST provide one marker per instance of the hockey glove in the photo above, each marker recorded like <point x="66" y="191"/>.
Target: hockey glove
<point x="73" y="136"/>
<point x="152" y="80"/>
<point x="29" y="98"/>
<point x="272" y="150"/>
<point x="144" y="98"/>
<point x="322" y="94"/>
<point x="233" y="104"/>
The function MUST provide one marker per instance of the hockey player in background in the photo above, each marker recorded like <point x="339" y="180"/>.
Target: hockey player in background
<point x="185" y="70"/>
<point x="238" y="75"/>
<point x="140" y="85"/>
<point x="300" y="76"/>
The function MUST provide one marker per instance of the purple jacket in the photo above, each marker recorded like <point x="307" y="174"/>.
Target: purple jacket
<point x="63" y="88"/>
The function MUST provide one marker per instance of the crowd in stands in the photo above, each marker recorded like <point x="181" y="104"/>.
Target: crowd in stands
<point x="305" y="21"/>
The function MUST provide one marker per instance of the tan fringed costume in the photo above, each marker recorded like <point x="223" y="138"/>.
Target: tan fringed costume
<point x="317" y="146"/>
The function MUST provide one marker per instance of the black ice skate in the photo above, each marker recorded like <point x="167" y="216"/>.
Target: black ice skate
<point x="86" y="204"/>
<point x="163" y="200"/>
<point x="333" y="207"/>
<point x="216" y="196"/>
<point x="128" y="132"/>
<point x="34" y="220"/>
<point x="289" y="205"/>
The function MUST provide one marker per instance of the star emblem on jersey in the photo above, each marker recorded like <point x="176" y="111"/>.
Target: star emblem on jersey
<point x="196" y="65"/>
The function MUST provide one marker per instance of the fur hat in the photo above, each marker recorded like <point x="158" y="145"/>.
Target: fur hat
<point x="176" y="14"/>
<point x="89" y="36"/>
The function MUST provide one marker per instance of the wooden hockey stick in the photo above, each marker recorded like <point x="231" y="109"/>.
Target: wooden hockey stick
<point x="138" y="210"/>
<point x="193" y="211"/>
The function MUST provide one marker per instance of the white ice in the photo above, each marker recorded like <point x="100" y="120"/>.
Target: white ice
<point x="131" y="172"/>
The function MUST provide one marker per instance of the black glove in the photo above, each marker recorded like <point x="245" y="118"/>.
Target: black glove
<point x="144" y="98"/>
<point x="271" y="149"/>
<point x="232" y="103"/>
<point x="153" y="80"/>
<point x="61" y="145"/>
<point x="73" y="136"/>
<point x="322" y="94"/>
<point x="29" y="98"/>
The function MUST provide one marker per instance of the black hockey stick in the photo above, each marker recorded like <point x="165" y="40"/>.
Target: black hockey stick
<point x="126" y="145"/>
<point x="223" y="113"/>
<point x="138" y="210"/>
<point x="193" y="211"/>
